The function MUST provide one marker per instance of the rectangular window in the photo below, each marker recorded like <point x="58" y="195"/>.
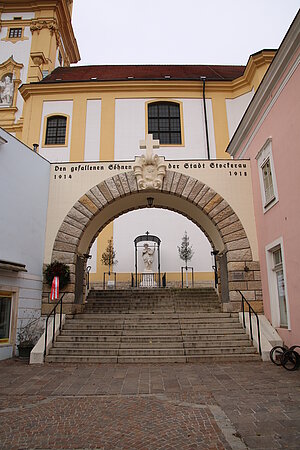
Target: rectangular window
<point x="56" y="130"/>
<point x="280" y="284"/>
<point x="5" y="314"/>
<point x="267" y="176"/>
<point x="164" y="122"/>
<point x="268" y="182"/>
<point x="15" y="32"/>
<point x="277" y="284"/>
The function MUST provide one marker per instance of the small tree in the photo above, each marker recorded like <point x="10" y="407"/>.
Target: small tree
<point x="186" y="252"/>
<point x="109" y="256"/>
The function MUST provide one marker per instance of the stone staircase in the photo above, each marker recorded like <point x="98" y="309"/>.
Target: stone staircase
<point x="151" y="326"/>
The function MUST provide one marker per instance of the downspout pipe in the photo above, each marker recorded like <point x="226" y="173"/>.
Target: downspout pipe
<point x="205" y="117"/>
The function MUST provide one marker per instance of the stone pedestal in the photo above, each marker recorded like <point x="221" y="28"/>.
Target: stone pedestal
<point x="148" y="280"/>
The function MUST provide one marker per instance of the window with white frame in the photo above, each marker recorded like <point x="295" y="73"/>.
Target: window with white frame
<point x="267" y="176"/>
<point x="277" y="284"/>
<point x="164" y="122"/>
<point x="268" y="181"/>
<point x="15" y="33"/>
<point x="5" y="317"/>
<point x="280" y="285"/>
<point x="56" y="130"/>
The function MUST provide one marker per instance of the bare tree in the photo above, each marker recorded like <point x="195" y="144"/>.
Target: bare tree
<point x="186" y="252"/>
<point x="109" y="256"/>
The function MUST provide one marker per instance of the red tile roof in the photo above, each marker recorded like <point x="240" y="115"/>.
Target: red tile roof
<point x="144" y="72"/>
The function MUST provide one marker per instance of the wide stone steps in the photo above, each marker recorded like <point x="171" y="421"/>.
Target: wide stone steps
<point x="147" y="333"/>
<point x="151" y="359"/>
<point x="194" y="339"/>
<point x="151" y="326"/>
<point x="151" y="351"/>
<point x="157" y="326"/>
<point x="162" y="344"/>
<point x="146" y="316"/>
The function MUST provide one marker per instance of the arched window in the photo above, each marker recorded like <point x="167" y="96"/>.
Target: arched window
<point x="164" y="122"/>
<point x="56" y="130"/>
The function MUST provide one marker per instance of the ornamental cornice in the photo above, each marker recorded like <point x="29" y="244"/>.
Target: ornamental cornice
<point x="174" y="88"/>
<point x="144" y="88"/>
<point x="37" y="25"/>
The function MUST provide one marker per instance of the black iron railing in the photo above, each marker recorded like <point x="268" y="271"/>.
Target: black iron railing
<point x="187" y="269"/>
<point x="53" y="312"/>
<point x="251" y="311"/>
<point x="87" y="271"/>
<point x="112" y="284"/>
<point x="148" y="280"/>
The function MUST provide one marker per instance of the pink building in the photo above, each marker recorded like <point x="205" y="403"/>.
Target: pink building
<point x="269" y="135"/>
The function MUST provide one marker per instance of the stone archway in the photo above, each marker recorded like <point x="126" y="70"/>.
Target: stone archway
<point x="179" y="192"/>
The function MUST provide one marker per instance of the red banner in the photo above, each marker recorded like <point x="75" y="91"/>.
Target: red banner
<point x="55" y="289"/>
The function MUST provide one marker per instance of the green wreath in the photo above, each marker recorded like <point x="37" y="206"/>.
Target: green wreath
<point x="57" y="269"/>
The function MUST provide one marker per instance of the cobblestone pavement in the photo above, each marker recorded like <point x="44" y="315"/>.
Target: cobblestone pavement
<point x="140" y="406"/>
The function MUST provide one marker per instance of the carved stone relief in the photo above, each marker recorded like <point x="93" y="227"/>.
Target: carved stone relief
<point x="149" y="169"/>
<point x="6" y="90"/>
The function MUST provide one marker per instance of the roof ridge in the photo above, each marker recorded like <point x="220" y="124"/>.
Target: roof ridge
<point x="151" y="65"/>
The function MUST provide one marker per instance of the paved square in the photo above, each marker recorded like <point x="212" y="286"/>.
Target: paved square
<point x="161" y="406"/>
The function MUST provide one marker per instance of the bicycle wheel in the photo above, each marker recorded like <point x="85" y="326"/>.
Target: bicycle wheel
<point x="276" y="354"/>
<point x="290" y="360"/>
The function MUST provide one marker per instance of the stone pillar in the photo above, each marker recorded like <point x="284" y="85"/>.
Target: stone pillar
<point x="245" y="276"/>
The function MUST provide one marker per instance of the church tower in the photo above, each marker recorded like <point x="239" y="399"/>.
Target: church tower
<point x="35" y="38"/>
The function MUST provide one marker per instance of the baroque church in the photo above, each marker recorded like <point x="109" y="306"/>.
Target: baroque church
<point x="71" y="145"/>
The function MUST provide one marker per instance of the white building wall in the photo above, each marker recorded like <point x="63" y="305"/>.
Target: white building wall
<point x="24" y="185"/>
<point x="24" y="15"/>
<point x="236" y="108"/>
<point x="57" y="63"/>
<point x="130" y="125"/>
<point x="92" y="130"/>
<point x="93" y="261"/>
<point x="20" y="51"/>
<point x="157" y="222"/>
<point x="56" y="154"/>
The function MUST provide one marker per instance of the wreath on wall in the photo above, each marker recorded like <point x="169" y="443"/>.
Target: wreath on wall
<point x="57" y="269"/>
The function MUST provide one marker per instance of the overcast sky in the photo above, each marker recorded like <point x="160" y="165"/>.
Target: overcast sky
<point x="179" y="31"/>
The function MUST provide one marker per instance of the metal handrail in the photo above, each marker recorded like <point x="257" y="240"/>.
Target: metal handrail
<point x="53" y="329"/>
<point x="250" y="320"/>
<point x="115" y="278"/>
<point x="87" y="271"/>
<point x="186" y="268"/>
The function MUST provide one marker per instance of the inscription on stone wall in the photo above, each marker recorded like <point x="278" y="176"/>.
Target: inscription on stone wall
<point x="68" y="171"/>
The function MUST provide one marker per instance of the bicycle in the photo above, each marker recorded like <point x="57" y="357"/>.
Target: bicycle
<point x="289" y="358"/>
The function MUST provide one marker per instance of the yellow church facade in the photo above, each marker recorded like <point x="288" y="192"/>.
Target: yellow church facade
<point x="83" y="115"/>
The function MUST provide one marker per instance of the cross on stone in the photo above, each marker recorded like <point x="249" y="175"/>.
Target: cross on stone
<point x="147" y="233"/>
<point x="149" y="144"/>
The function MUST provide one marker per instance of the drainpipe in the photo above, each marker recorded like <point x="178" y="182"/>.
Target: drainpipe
<point x="205" y="117"/>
